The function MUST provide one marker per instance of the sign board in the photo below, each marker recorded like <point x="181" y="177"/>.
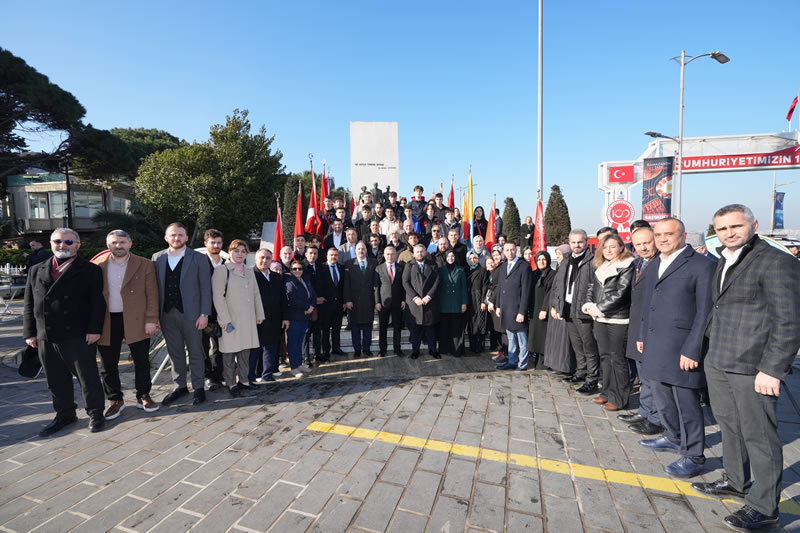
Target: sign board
<point x="374" y="156"/>
<point x="620" y="214"/>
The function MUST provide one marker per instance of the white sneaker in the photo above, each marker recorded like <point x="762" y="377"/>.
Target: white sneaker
<point x="297" y="372"/>
<point x="277" y="374"/>
<point x="304" y="369"/>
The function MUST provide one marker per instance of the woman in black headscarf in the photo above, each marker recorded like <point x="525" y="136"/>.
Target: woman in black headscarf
<point x="540" y="308"/>
<point x="477" y="283"/>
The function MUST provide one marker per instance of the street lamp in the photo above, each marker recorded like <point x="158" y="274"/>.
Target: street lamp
<point x="682" y="61"/>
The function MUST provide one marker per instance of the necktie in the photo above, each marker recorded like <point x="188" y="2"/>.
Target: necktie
<point x="391" y="272"/>
<point x="335" y="275"/>
<point x="363" y="268"/>
<point x="420" y="266"/>
<point x="508" y="268"/>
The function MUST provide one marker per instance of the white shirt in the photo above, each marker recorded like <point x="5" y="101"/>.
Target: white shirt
<point x="390" y="270"/>
<point x="730" y="259"/>
<point x="337" y="239"/>
<point x="667" y="261"/>
<point x="215" y="265"/>
<point x="264" y="273"/>
<point x="173" y="260"/>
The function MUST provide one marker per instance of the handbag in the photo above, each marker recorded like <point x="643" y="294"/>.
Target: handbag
<point x="213" y="329"/>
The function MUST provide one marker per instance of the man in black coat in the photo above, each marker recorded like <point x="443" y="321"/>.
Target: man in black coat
<point x="331" y="310"/>
<point x="63" y="318"/>
<point x="270" y="332"/>
<point x="569" y="291"/>
<point x="37" y="255"/>
<point x="421" y="283"/>
<point x="511" y="306"/>
<point x="389" y="300"/>
<point x="646" y="420"/>
<point x="359" y="299"/>
<point x="754" y="335"/>
<point x="459" y="248"/>
<point x="314" y="331"/>
<point x="675" y="310"/>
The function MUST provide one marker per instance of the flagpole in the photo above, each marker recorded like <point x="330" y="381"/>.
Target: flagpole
<point x="539" y="183"/>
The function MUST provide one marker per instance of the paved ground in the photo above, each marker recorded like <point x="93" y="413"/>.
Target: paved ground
<point x="461" y="451"/>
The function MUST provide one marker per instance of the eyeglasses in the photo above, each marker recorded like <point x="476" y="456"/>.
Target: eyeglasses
<point x="68" y="242"/>
<point x="297" y="269"/>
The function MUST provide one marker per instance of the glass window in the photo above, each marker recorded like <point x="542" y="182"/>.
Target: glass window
<point x="58" y="204"/>
<point x="37" y="204"/>
<point x="87" y="203"/>
<point x="120" y="205"/>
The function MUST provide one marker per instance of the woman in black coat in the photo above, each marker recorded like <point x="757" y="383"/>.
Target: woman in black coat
<point x="526" y="233"/>
<point x="479" y="223"/>
<point x="477" y="284"/>
<point x="540" y="307"/>
<point x="497" y="335"/>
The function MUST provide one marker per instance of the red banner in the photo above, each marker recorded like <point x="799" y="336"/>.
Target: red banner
<point x="621" y="174"/>
<point x="657" y="188"/>
<point x="788" y="157"/>
<point x="539" y="238"/>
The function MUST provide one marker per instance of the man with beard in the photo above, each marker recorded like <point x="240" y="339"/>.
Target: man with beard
<point x="63" y="318"/>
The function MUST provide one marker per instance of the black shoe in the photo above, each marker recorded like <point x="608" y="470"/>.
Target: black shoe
<point x="574" y="379"/>
<point x="324" y="358"/>
<point x="436" y="355"/>
<point x="199" y="397"/>
<point x="399" y="353"/>
<point x="235" y="391"/>
<point x="631" y="418"/>
<point x="368" y="353"/>
<point x="58" y="423"/>
<point x="356" y="355"/>
<point x="749" y="518"/>
<point x="97" y="423"/>
<point x="337" y="351"/>
<point x="558" y="373"/>
<point x="414" y="355"/>
<point x="382" y="354"/>
<point x="645" y="427"/>
<point x="590" y="387"/>
<point x="721" y="487"/>
<point x="212" y="385"/>
<point x="174" y="395"/>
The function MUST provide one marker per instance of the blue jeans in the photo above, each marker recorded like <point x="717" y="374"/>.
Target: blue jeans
<point x="362" y="336"/>
<point x="295" y="334"/>
<point x="518" y="348"/>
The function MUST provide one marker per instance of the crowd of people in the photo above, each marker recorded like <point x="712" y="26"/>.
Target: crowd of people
<point x="668" y="317"/>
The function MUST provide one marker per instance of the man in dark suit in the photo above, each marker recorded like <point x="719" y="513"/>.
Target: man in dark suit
<point x="390" y="300"/>
<point x="513" y="291"/>
<point x="362" y="224"/>
<point x="421" y="283"/>
<point x="314" y="331"/>
<point x="645" y="421"/>
<point x="213" y="240"/>
<point x="375" y="248"/>
<point x="754" y="335"/>
<point x="336" y="237"/>
<point x="459" y="248"/>
<point x="63" y="318"/>
<point x="331" y="310"/>
<point x="270" y="332"/>
<point x="569" y="288"/>
<point x="359" y="299"/>
<point x="675" y="309"/>
<point x="184" y="281"/>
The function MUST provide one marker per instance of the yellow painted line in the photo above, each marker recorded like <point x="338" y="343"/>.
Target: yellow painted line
<point x="663" y="484"/>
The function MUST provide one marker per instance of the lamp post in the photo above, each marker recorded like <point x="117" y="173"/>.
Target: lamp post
<point x="682" y="61"/>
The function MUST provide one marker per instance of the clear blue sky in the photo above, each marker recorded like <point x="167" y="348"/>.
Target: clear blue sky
<point x="458" y="77"/>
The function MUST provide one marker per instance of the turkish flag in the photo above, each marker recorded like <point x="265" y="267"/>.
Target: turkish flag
<point x="298" y="214"/>
<point x="277" y="241"/>
<point x="621" y="174"/>
<point x="791" y="109"/>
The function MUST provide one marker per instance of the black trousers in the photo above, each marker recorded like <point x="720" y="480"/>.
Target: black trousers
<point x="109" y="361"/>
<point x="751" y="449"/>
<point x="611" y="344"/>
<point x="213" y="360"/>
<point x="584" y="345"/>
<point x="417" y="332"/>
<point x="312" y="338"/>
<point x="394" y="313"/>
<point x="63" y="359"/>
<point x="331" y="316"/>
<point x="682" y="418"/>
<point x="451" y="333"/>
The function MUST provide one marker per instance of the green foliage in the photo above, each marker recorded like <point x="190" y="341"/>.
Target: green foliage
<point x="511" y="221"/>
<point x="557" y="224"/>
<point x="711" y="231"/>
<point x="30" y="104"/>
<point x="226" y="183"/>
<point x="289" y="204"/>
<point x="99" y="155"/>
<point x="143" y="142"/>
<point x="144" y="234"/>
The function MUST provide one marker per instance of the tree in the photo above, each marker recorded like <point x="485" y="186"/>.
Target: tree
<point x="98" y="155"/>
<point x="511" y="221"/>
<point x="144" y="234"/>
<point x="31" y="104"/>
<point x="143" y="142"/>
<point x="556" y="218"/>
<point x="711" y="230"/>
<point x="227" y="182"/>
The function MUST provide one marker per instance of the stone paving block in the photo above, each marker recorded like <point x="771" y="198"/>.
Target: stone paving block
<point x="458" y="478"/>
<point x="268" y="509"/>
<point x="421" y="492"/>
<point x="676" y="514"/>
<point x="292" y="521"/>
<point x="111" y="493"/>
<point x="562" y="514"/>
<point x="523" y="522"/>
<point x="161" y="481"/>
<point x="380" y="451"/>
<point x="710" y="512"/>
<point x="318" y="492"/>
<point x="556" y="484"/>
<point x="347" y="455"/>
<point x="468" y="439"/>
<point x="15" y="508"/>
<point x="27" y="470"/>
<point x="397" y="424"/>
<point x="330" y="441"/>
<point x="215" y="492"/>
<point x="27" y="484"/>
<point x="83" y="456"/>
<point x="523" y="491"/>
<point x="111" y="516"/>
<point x="336" y="516"/>
<point x="600" y="428"/>
<point x="522" y="407"/>
<point x="361" y="479"/>
<point x="263" y="479"/>
<point x="550" y="445"/>
<point x="400" y="466"/>
<point x="498" y="413"/>
<point x="43" y="512"/>
<point x="472" y="421"/>
<point x="576" y="437"/>
<point x="433" y="460"/>
<point x="307" y="467"/>
<point x="224" y="515"/>
<point x="155" y="511"/>
<point x="445" y="429"/>
<point x="379" y="506"/>
<point x="492" y="471"/>
<point x="65" y="521"/>
<point x="170" y="457"/>
<point x="374" y="422"/>
<point x="215" y="467"/>
<point x="495" y="437"/>
<point x="427" y="414"/>
<point x="299" y="446"/>
<point x="420" y="431"/>
<point x="546" y="420"/>
<point x="259" y="456"/>
<point x="449" y="514"/>
<point x="405" y="522"/>
<point x="631" y="498"/>
<point x="641" y="522"/>
<point x="214" y="447"/>
<point x="70" y="479"/>
<point x="597" y="504"/>
<point x="488" y="507"/>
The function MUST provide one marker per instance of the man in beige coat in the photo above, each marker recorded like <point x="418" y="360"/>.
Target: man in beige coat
<point x="131" y="294"/>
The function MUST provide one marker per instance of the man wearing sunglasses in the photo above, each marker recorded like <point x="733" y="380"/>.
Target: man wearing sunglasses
<point x="63" y="318"/>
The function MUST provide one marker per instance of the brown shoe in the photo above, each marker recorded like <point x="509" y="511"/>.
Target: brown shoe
<point x="599" y="400"/>
<point x="114" y="409"/>
<point x="611" y="407"/>
<point x="147" y="403"/>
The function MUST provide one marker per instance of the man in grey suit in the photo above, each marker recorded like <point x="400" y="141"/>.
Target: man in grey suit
<point x="754" y="334"/>
<point x="184" y="282"/>
<point x="347" y="251"/>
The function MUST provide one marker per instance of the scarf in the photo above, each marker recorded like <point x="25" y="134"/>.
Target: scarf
<point x="574" y="262"/>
